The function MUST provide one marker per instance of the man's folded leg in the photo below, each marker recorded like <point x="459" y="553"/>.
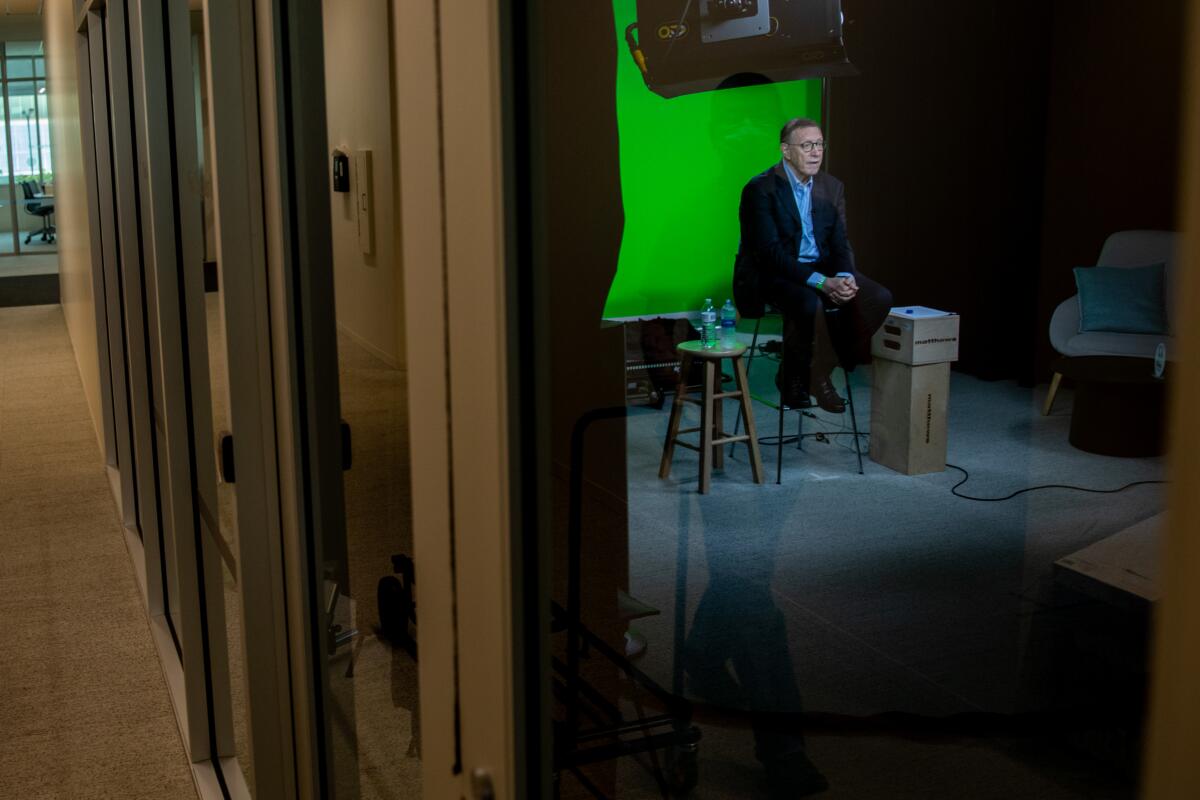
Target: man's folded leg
<point x="866" y="313"/>
<point x="792" y="378"/>
<point x="800" y="306"/>
<point x="825" y="358"/>
<point x="849" y="341"/>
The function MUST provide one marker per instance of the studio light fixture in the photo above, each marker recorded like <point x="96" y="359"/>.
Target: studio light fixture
<point x="688" y="46"/>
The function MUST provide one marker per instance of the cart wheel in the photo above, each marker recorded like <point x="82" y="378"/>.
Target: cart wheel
<point x="395" y="607"/>
<point x="683" y="768"/>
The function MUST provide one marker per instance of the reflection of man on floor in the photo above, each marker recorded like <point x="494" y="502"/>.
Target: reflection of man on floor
<point x="793" y="220"/>
<point x="738" y="626"/>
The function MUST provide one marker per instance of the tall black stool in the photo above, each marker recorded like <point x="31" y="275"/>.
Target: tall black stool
<point x="781" y="407"/>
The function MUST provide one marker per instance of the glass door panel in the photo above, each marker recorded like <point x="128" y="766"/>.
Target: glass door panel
<point x="851" y="626"/>
<point x="369" y="561"/>
<point x="226" y="534"/>
<point x="343" y="274"/>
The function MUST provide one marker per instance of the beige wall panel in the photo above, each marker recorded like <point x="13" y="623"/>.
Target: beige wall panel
<point x="70" y="198"/>
<point x="359" y="107"/>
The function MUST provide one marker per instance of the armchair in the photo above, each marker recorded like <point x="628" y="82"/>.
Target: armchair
<point x="1121" y="249"/>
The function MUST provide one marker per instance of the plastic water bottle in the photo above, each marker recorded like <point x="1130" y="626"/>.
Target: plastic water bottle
<point x="728" y="325"/>
<point x="708" y="325"/>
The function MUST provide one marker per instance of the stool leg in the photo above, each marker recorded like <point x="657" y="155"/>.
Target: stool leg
<point x="743" y="382"/>
<point x="718" y="425"/>
<point x="706" y="425"/>
<point x="853" y="419"/>
<point x="737" y="423"/>
<point x="664" y="469"/>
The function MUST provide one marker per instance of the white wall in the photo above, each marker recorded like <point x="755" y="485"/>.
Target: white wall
<point x="70" y="197"/>
<point x="358" y="90"/>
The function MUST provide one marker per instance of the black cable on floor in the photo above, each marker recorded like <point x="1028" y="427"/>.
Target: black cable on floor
<point x="967" y="476"/>
<point x="827" y="436"/>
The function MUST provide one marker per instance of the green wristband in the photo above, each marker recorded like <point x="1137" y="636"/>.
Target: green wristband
<point x="821" y="284"/>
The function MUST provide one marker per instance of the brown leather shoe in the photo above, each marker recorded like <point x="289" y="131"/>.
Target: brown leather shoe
<point x="827" y="398"/>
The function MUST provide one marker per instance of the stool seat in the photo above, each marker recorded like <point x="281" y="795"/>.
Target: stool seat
<point x="711" y="428"/>
<point x="696" y="350"/>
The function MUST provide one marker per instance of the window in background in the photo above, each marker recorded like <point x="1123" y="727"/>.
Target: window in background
<point x="26" y="170"/>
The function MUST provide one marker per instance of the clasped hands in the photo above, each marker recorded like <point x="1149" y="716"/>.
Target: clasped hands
<point x="841" y="289"/>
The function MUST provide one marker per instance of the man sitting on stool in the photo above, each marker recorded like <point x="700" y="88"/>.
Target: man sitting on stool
<point x="793" y="220"/>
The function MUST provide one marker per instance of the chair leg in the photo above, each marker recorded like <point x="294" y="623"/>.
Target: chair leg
<point x="853" y="419"/>
<point x="800" y="430"/>
<point x="1050" y="395"/>
<point x="779" y="449"/>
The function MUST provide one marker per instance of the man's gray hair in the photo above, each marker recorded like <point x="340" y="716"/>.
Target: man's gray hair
<point x="795" y="124"/>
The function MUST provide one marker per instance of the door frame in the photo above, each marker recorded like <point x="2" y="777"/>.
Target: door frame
<point x="241" y="257"/>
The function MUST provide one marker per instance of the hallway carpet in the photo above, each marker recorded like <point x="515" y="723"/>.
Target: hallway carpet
<point x="84" y="709"/>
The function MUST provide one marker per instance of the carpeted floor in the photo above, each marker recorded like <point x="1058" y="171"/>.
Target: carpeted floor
<point x="84" y="709"/>
<point x="843" y="597"/>
<point x="836" y="595"/>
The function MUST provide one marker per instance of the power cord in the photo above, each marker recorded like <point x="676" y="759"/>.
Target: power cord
<point x="967" y="476"/>
<point x="770" y="351"/>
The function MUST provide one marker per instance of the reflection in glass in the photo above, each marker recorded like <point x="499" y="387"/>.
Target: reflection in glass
<point x="372" y="715"/>
<point x="875" y="633"/>
<point x="379" y="671"/>
<point x="218" y="372"/>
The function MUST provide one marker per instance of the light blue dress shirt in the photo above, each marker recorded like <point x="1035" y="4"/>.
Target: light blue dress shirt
<point x="809" y="252"/>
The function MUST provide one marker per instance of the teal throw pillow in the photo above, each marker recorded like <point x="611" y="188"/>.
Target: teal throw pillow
<point x="1121" y="299"/>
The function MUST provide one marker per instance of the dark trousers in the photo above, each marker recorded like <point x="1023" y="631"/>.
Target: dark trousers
<point x="815" y="342"/>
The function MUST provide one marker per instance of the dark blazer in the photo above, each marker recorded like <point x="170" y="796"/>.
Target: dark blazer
<point x="771" y="226"/>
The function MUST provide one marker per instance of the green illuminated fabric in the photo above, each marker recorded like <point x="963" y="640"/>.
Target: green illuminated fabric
<point x="684" y="162"/>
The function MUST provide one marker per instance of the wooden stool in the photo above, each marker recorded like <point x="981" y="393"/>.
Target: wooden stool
<point x="712" y="433"/>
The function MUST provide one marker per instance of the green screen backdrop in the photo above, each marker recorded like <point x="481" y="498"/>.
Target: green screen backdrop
<point x="684" y="162"/>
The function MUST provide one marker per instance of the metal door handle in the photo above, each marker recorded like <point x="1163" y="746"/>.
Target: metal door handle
<point x="225" y="457"/>
<point x="347" y="456"/>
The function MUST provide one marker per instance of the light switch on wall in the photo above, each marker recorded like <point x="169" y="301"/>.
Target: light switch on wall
<point x="364" y="187"/>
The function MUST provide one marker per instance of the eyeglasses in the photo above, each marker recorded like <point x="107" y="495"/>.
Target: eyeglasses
<point x="807" y="147"/>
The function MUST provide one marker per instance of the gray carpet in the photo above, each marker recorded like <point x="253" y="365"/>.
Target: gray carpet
<point x="853" y="595"/>
<point x="84" y="709"/>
